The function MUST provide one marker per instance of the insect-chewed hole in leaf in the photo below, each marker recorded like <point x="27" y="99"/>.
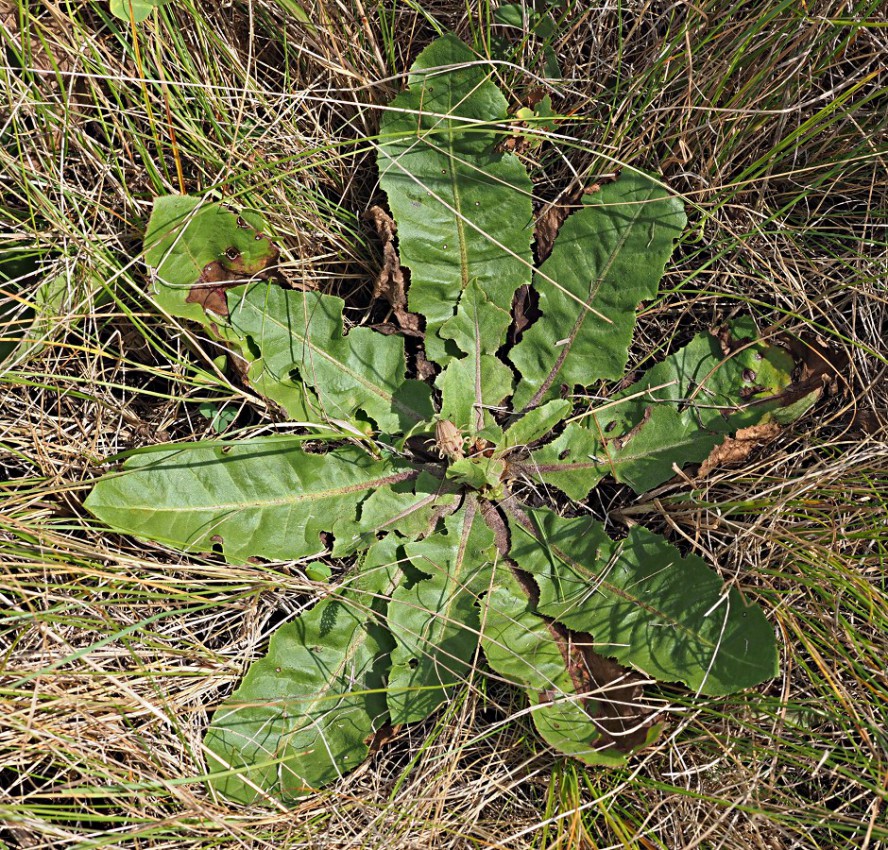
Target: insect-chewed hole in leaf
<point x="413" y="663"/>
<point x="218" y="544"/>
<point x="251" y="348"/>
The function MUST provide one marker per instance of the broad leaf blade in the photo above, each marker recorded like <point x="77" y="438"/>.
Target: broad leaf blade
<point x="435" y="621"/>
<point x="644" y="604"/>
<point x="607" y="258"/>
<point x="479" y="382"/>
<point x="138" y="9"/>
<point x="520" y="646"/>
<point x="299" y="336"/>
<point x="674" y="415"/>
<point x="303" y="715"/>
<point x="197" y="250"/>
<point x="264" y="497"/>
<point x="463" y="210"/>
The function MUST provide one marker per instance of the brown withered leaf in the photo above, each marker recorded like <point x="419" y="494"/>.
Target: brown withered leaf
<point x="390" y="283"/>
<point x="525" y="311"/>
<point x="217" y="277"/>
<point x="209" y="291"/>
<point x="819" y="367"/>
<point x="552" y="217"/>
<point x="614" y="692"/>
<point x="734" y="451"/>
<point x="43" y="48"/>
<point x="870" y="422"/>
<point x="381" y="737"/>
<point x="611" y="694"/>
<point x="425" y="369"/>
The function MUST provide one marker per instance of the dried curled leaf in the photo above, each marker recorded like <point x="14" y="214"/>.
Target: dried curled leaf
<point x="734" y="451"/>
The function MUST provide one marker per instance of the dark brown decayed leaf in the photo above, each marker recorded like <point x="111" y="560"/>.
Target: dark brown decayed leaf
<point x="610" y="693"/>
<point x="550" y="220"/>
<point x="390" y="282"/>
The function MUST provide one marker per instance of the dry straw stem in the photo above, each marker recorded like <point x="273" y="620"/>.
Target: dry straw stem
<point x="770" y="120"/>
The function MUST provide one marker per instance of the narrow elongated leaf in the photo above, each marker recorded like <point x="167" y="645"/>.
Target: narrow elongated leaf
<point x="300" y="338"/>
<point x="607" y="258"/>
<point x="435" y="621"/>
<point x="644" y="604"/>
<point x="264" y="497"/>
<point x="520" y="645"/>
<point x="304" y="714"/>
<point x="673" y="416"/>
<point x="463" y="210"/>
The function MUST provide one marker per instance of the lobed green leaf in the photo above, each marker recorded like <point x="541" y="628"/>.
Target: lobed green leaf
<point x="519" y="645"/>
<point x="410" y="508"/>
<point x="197" y="249"/>
<point x="305" y="713"/>
<point x="435" y="621"/>
<point x="479" y="382"/>
<point x="299" y="336"/>
<point x="674" y="415"/>
<point x="608" y="257"/>
<point x="644" y="604"/>
<point x="536" y="423"/>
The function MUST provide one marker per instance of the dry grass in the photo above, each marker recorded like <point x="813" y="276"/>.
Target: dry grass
<point x="769" y="118"/>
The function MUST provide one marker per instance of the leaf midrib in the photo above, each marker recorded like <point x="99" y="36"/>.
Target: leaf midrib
<point x="293" y="498"/>
<point x="522" y="518"/>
